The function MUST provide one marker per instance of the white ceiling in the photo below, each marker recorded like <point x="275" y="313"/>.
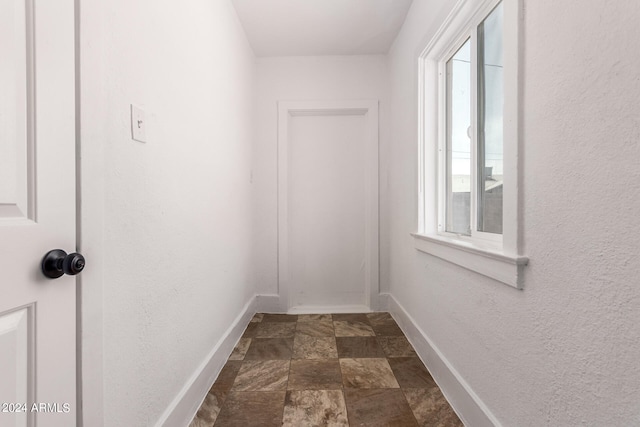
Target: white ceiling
<point x="321" y="27"/>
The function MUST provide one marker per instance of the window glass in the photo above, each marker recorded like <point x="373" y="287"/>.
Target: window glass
<point x="490" y="118"/>
<point x="458" y="141"/>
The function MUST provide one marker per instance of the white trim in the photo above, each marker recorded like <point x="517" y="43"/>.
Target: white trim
<point x="495" y="264"/>
<point x="430" y="237"/>
<point x="91" y="147"/>
<point x="270" y="303"/>
<point x="384" y="301"/>
<point x="185" y="405"/>
<point x="513" y="55"/>
<point x="465" y="402"/>
<point x="369" y="109"/>
<point x="328" y="309"/>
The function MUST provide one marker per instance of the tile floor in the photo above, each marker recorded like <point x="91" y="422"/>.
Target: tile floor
<point x="324" y="370"/>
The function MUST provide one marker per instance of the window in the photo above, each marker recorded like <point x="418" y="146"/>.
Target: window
<point x="472" y="167"/>
<point x="469" y="140"/>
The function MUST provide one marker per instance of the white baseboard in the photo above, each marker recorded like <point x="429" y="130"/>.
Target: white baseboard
<point x="324" y="309"/>
<point x="471" y="410"/>
<point x="185" y="405"/>
<point x="272" y="303"/>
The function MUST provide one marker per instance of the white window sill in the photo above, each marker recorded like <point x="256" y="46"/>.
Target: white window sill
<point x="504" y="268"/>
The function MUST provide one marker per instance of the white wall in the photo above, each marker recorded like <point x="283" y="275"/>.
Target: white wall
<point x="564" y="350"/>
<point x="166" y="224"/>
<point x="303" y="78"/>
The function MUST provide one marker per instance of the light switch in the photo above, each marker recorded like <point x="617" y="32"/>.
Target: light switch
<point x="138" y="124"/>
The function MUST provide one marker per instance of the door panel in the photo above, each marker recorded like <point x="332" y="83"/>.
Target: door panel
<point x="14" y="73"/>
<point x="327" y="210"/>
<point x="17" y="362"/>
<point x="37" y="209"/>
<point x="328" y="206"/>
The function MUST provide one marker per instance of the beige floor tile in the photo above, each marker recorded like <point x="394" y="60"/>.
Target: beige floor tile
<point x="396" y="346"/>
<point x="252" y="409"/>
<point x="367" y="373"/>
<point x="240" y="349"/>
<point x="357" y="347"/>
<point x="314" y="348"/>
<point x="276" y="329"/>
<point x="411" y="372"/>
<point x="350" y="328"/>
<point x="262" y="375"/>
<point x="315" y="408"/>
<point x="209" y="409"/>
<point x="315" y="375"/>
<point x="320" y="328"/>
<point x="269" y="348"/>
<point x="431" y="409"/>
<point x="378" y="408"/>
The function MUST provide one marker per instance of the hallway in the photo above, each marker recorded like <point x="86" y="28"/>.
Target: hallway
<point x="324" y="369"/>
<point x="189" y="234"/>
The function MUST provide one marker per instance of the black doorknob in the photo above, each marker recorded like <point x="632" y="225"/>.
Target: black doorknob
<point x="56" y="263"/>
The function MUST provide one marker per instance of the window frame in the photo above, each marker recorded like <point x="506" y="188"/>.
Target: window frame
<point x="493" y="255"/>
<point x="492" y="240"/>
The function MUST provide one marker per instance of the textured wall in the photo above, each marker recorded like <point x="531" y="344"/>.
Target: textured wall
<point x="564" y="351"/>
<point x="168" y="223"/>
<point x="296" y="79"/>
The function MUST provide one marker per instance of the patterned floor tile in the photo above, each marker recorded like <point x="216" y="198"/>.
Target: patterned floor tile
<point x="276" y="329"/>
<point x="240" y="349"/>
<point x="357" y="347"/>
<point x="199" y="422"/>
<point x="315" y="408"/>
<point x="431" y="409"/>
<point x="378" y="408"/>
<point x="250" y="331"/>
<point x="379" y="318"/>
<point x="252" y="409"/>
<point x="387" y="329"/>
<point x="262" y="375"/>
<point x="411" y="373"/>
<point x="396" y="346"/>
<point x="314" y="348"/>
<point x="227" y="376"/>
<point x="350" y="328"/>
<point x="315" y="375"/>
<point x="320" y="328"/>
<point x="367" y="373"/>
<point x="270" y="348"/>
<point x="355" y="317"/>
<point x="354" y="369"/>
<point x="209" y="409"/>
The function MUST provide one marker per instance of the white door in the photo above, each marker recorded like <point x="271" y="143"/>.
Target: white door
<point x="328" y="195"/>
<point x="37" y="212"/>
<point x="327" y="214"/>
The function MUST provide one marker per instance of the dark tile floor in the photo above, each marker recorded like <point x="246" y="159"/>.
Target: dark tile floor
<point x="324" y="370"/>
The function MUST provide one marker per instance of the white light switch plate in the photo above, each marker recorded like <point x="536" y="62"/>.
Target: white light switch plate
<point x="138" y="124"/>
